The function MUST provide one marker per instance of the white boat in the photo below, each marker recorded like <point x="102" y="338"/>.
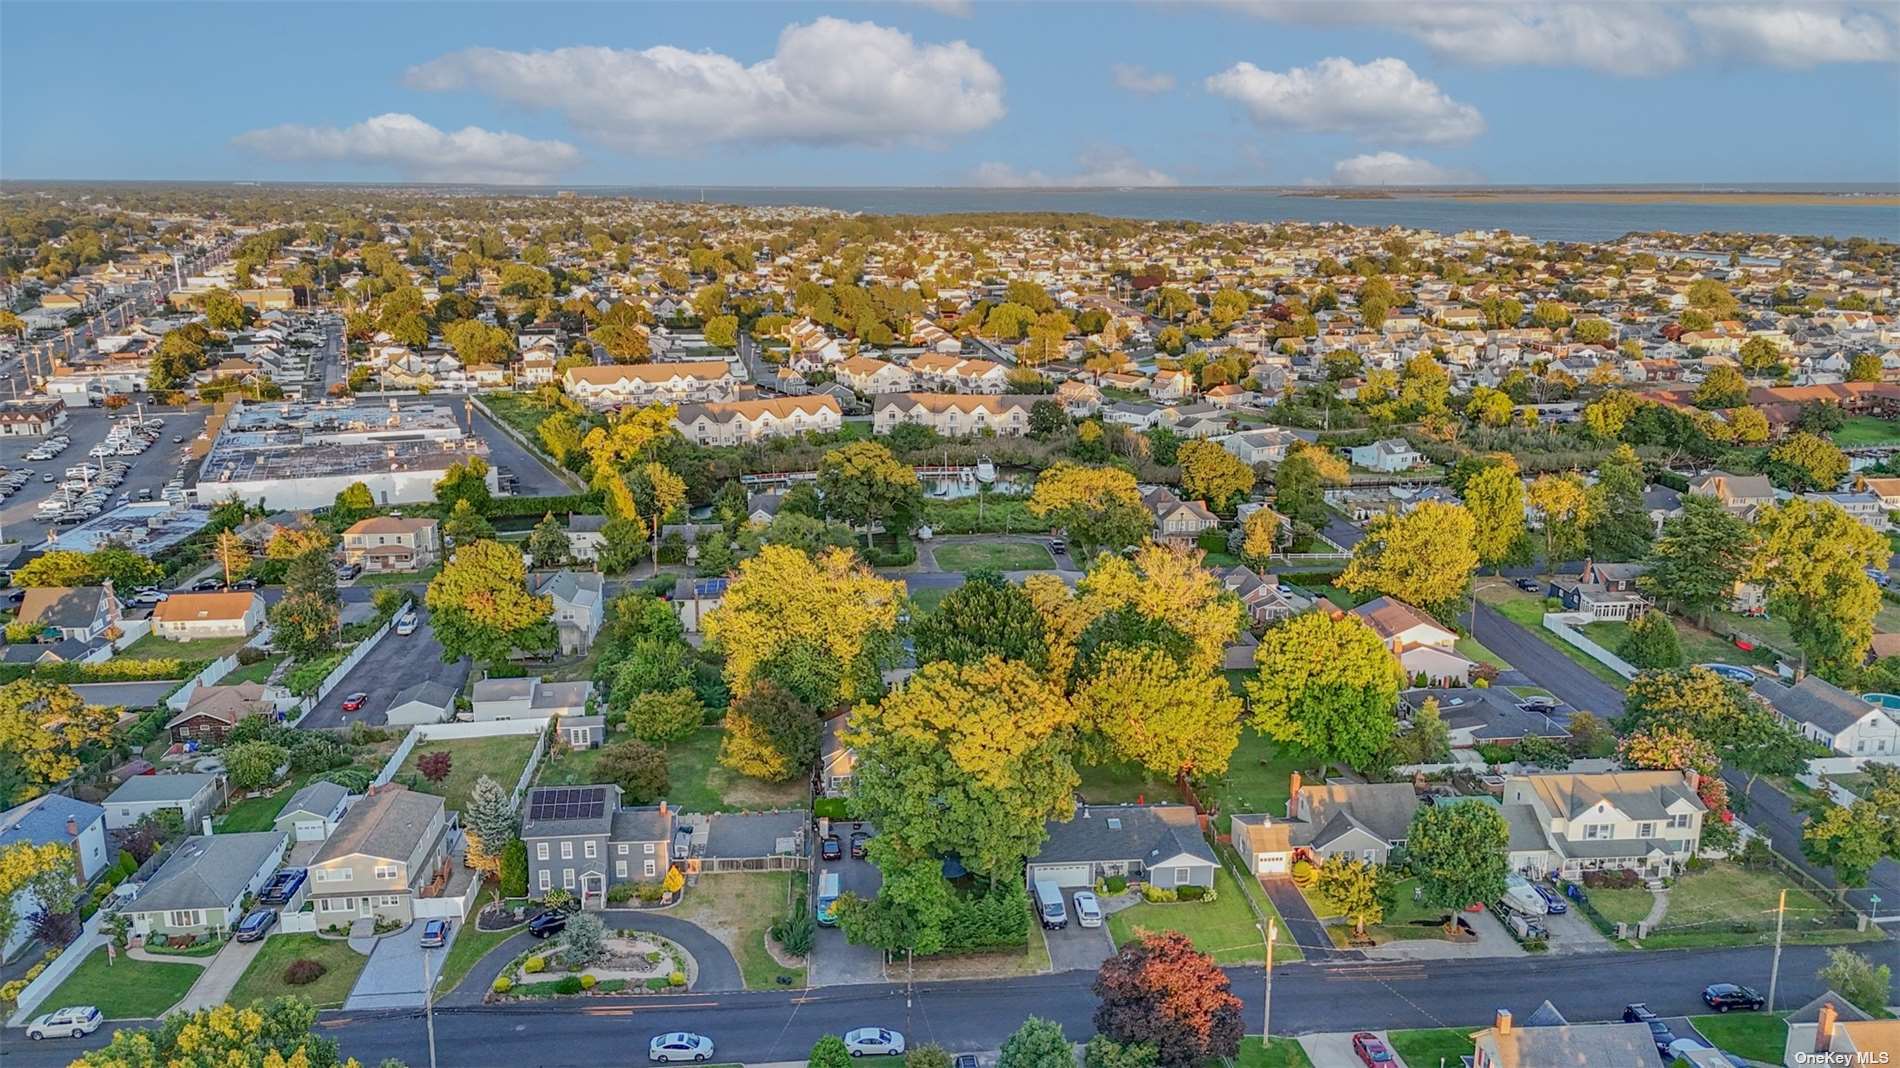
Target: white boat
<point x="985" y="470"/>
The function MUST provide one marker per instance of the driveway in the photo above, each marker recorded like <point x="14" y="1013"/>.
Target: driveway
<point x="1076" y="948"/>
<point x="221" y="976"/>
<point x="1333" y="1049"/>
<point x="717" y="968"/>
<point x="1572" y="932"/>
<point x="834" y="961"/>
<point x="533" y="477"/>
<point x="1544" y="665"/>
<point x="1302" y="926"/>
<point x="394" y="977"/>
<point x="396" y="664"/>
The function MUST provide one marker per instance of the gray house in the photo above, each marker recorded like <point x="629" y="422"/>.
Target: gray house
<point x="201" y="887"/>
<point x="312" y="812"/>
<point x="750" y="841"/>
<point x="425" y="702"/>
<point x="193" y="795"/>
<point x="581" y="840"/>
<point x="1160" y="844"/>
<point x="1362" y="821"/>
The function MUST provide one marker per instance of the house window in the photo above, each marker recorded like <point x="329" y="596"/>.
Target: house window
<point x="1645" y="830"/>
<point x="185" y="918"/>
<point x="547" y="883"/>
<point x="540" y="851"/>
<point x="567" y="851"/>
<point x="319" y="875"/>
<point x="385" y="871"/>
<point x="567" y="878"/>
<point x="620" y="869"/>
<point x="389" y="900"/>
<point x="1370" y="856"/>
<point x="649" y="847"/>
<point x="622" y="847"/>
<point x="590" y="849"/>
<point x="649" y="869"/>
<point x="1679" y="821"/>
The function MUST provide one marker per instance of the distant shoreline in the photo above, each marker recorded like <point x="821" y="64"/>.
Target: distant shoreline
<point x="1584" y="196"/>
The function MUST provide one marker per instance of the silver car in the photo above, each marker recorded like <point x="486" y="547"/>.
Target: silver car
<point x="873" y="1042"/>
<point x="74" y="1021"/>
<point x="1088" y="911"/>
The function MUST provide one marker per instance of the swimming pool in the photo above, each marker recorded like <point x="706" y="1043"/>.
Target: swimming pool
<point x="1889" y="701"/>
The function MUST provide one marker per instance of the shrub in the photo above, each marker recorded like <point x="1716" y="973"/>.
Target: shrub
<point x="1158" y="894"/>
<point x="1190" y="893"/>
<point x="569" y="985"/>
<point x="1116" y="883"/>
<point x="676" y="979"/>
<point x="1304" y="873"/>
<point x="251" y="654"/>
<point x="535" y="965"/>
<point x="649" y="892"/>
<point x="620" y="893"/>
<point x="304" y="971"/>
<point x="502" y="984"/>
<point x="587" y="982"/>
<point x="657" y="983"/>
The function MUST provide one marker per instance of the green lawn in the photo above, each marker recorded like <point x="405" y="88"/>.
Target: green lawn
<point x="399" y="578"/>
<point x="1429" y="1047"/>
<point x="258" y="672"/>
<point x="1257" y="780"/>
<point x="1621" y="906"/>
<point x="571" y="767"/>
<point x="264" y="979"/>
<point x="1278" y="1053"/>
<point x="1403" y="912"/>
<point x="1527" y="611"/>
<point x="926" y="600"/>
<point x="1763" y="630"/>
<point x="153" y="647"/>
<point x="470" y="946"/>
<point x="125" y="989"/>
<point x="1750" y="1035"/>
<point x="1727" y="904"/>
<point x="1866" y="430"/>
<point x="700" y="784"/>
<point x="1698" y="645"/>
<point x="1223" y="927"/>
<point x="500" y="758"/>
<point x="994" y="556"/>
<point x="737" y="909"/>
<point x="258" y="813"/>
<point x="1473" y="649"/>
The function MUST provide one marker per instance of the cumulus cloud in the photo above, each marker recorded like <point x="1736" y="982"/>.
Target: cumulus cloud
<point x="1383" y="99"/>
<point x="1094" y="168"/>
<point x="1138" y="79"/>
<point x="1798" y="36"/>
<point x="830" y="82"/>
<point x="419" y="151"/>
<point x="1629" y="38"/>
<point x="1393" y="168"/>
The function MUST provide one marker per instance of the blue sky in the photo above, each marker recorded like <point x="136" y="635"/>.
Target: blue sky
<point x="942" y="92"/>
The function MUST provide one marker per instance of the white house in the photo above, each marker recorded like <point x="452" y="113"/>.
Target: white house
<point x="1421" y="645"/>
<point x="1388" y="455"/>
<point x="528" y="698"/>
<point x="190" y="616"/>
<point x="193" y="795"/>
<point x="46" y="820"/>
<point x="1825" y="713"/>
<point x="312" y="812"/>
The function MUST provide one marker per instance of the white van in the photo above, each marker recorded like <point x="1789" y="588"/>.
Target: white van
<point x="1049" y="907"/>
<point x="828" y="895"/>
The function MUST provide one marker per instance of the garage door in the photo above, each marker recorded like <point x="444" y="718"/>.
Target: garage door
<point x="1271" y="864"/>
<point x="309" y="830"/>
<point x="1062" y="874"/>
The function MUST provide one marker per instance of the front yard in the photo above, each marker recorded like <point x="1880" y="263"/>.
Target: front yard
<point x="398" y="578"/>
<point x="994" y="556"/>
<point x="1402" y="921"/>
<point x="153" y="647"/>
<point x="125" y="989"/>
<point x="470" y="946"/>
<point x="264" y="979"/>
<point x="1223" y="927"/>
<point x="737" y="908"/>
<point x="1750" y="1035"/>
<point x="500" y="758"/>
<point x="1277" y="1053"/>
<point x="1726" y="904"/>
<point x="1428" y="1047"/>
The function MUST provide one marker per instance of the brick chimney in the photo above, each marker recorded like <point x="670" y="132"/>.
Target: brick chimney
<point x="1694" y="779"/>
<point x="1824" y="1026"/>
<point x="662" y="808"/>
<point x="1504" y="1021"/>
<point x="72" y="827"/>
<point x="1293" y="796"/>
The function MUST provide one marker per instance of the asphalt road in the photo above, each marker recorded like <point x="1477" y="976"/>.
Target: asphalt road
<point x="533" y="478"/>
<point x="396" y="664"/>
<point x="1544" y="665"/>
<point x="1773" y="813"/>
<point x="978" y="1015"/>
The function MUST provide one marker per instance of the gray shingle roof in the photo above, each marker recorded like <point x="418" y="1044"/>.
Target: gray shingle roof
<point x="318" y="798"/>
<point x="181" y="787"/>
<point x="208" y="871"/>
<point x="389" y="823"/>
<point x="753" y="834"/>
<point x="646" y="824"/>
<point x="43" y="819"/>
<point x="1816" y="701"/>
<point x="1145" y="833"/>
<point x="435" y="694"/>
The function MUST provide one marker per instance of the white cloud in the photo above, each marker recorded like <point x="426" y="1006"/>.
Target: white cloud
<point x="1798" y="36"/>
<point x="1094" y="168"/>
<point x="1383" y="99"/>
<point x="830" y="82"/>
<point x="419" y="151"/>
<point x="1138" y="79"/>
<point x="1392" y="168"/>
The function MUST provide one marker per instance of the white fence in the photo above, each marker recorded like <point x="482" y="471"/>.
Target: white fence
<point x="297" y="922"/>
<point x="131" y="630"/>
<point x="91" y="937"/>
<point x="1560" y="624"/>
<point x="534" y="448"/>
<point x="494" y="728"/>
<point x="213" y="671"/>
<point x="451" y="907"/>
<point x="335" y="677"/>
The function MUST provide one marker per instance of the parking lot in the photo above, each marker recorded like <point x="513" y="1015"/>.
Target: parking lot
<point x="87" y="427"/>
<point x="834" y="961"/>
<point x="396" y="664"/>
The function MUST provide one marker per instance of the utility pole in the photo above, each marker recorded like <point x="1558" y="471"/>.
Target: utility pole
<point x="428" y="1004"/>
<point x="1272" y="933"/>
<point x="1774" y="970"/>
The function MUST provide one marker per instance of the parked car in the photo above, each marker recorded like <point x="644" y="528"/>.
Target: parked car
<point x="1058" y="546"/>
<point x="1371" y="1049"/>
<point x="1553" y="901"/>
<point x="256" y="925"/>
<point x="830" y="848"/>
<point x="435" y="934"/>
<point x="74" y="1021"/>
<point x="244" y="584"/>
<point x="282" y="886"/>
<point x="1049" y="907"/>
<point x="858" y="839"/>
<point x="679" y="1046"/>
<point x="206" y="585"/>
<point x="1088" y="911"/>
<point x="547" y="922"/>
<point x="1528" y="585"/>
<point x="1659" y="1031"/>
<point x="1637" y="1012"/>
<point x="355" y="701"/>
<point x="1725" y="996"/>
<point x="407" y="624"/>
<point x="873" y="1042"/>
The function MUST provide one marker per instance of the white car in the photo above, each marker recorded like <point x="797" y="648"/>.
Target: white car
<point x="1088" y="911"/>
<point x="873" y="1042"/>
<point x="407" y="625"/>
<point x="679" y="1046"/>
<point x="71" y="1022"/>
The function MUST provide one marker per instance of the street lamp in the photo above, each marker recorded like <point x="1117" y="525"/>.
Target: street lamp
<point x="1270" y="933"/>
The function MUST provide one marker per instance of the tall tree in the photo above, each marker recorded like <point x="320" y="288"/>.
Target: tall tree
<point x="269" y="1034"/>
<point x="45" y="726"/>
<point x="1495" y="498"/>
<point x="1159" y="990"/>
<point x="1038" y="1043"/>
<point x="547" y="543"/>
<point x="1099" y="507"/>
<point x="770" y="734"/>
<point x="1424" y="557"/>
<point x="1210" y="472"/>
<point x="1359" y="889"/>
<point x="1806" y="463"/>
<point x="479" y="604"/>
<point x="830" y="608"/>
<point x="1694" y="565"/>
<point x="34" y="876"/>
<point x="1619" y="520"/>
<point x="864" y="484"/>
<point x="1813" y="562"/>
<point x="231" y="554"/>
<point x="1563" y="509"/>
<point x="986" y="616"/>
<point x="464" y="481"/>
<point x="489" y="818"/>
<point x="1328" y="686"/>
<point x="656" y="492"/>
<point x="1458" y="853"/>
<point x="1160" y="713"/>
<point x="1260" y="535"/>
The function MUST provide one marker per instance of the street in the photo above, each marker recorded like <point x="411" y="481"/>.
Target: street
<point x="396" y="664"/>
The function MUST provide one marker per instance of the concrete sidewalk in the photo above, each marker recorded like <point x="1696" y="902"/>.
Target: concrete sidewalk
<point x="221" y="976"/>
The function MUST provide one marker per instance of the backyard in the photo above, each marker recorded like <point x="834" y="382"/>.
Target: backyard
<point x="264" y="979"/>
<point x="1257" y="779"/>
<point x="153" y="647"/>
<point x="1698" y="645"/>
<point x="564" y="766"/>
<point x="125" y="989"/>
<point x="700" y="784"/>
<point x="258" y="813"/>
<point x="1866" y="430"/>
<point x="257" y="672"/>
<point x="500" y="758"/>
<point x="737" y="908"/>
<point x="1224" y="927"/>
<point x="993" y="556"/>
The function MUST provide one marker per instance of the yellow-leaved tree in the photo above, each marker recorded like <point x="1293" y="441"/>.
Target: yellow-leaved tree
<point x="1167" y="584"/>
<point x="1099" y="507"/>
<point x="1424" y="557"/>
<point x="821" y="627"/>
<point x="45" y="725"/>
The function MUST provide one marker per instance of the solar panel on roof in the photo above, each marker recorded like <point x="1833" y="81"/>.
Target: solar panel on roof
<point x="566" y="803"/>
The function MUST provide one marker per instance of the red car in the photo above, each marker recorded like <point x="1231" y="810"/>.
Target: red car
<point x="1371" y="1050"/>
<point x="355" y="702"/>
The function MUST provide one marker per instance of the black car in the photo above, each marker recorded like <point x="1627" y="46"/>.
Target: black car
<point x="830" y="848"/>
<point x="858" y="838"/>
<point x="1637" y="1013"/>
<point x="1658" y="1031"/>
<point x="548" y="922"/>
<point x="244" y="584"/>
<point x="206" y="585"/>
<point x="1725" y="996"/>
<point x="1528" y="585"/>
<point x="282" y="886"/>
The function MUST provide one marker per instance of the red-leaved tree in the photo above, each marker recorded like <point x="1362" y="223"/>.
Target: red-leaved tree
<point x="435" y="765"/>
<point x="1161" y="990"/>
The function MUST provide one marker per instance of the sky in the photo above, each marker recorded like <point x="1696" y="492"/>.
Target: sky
<point x="954" y="92"/>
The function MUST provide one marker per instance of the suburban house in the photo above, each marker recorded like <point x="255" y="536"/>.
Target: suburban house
<point x="741" y="421"/>
<point x="72" y="613"/>
<point x="1264" y="445"/>
<point x="583" y="732"/>
<point x="581" y="839"/>
<point x="585" y="536"/>
<point x="193" y="795"/>
<point x="743" y="841"/>
<point x="958" y="375"/>
<point x="1423" y="648"/>
<point x="1833" y="1030"/>
<point x="1263" y="597"/>
<point x="651" y="383"/>
<point x="1825" y="713"/>
<point x="1506" y="1045"/>
<point x="1602" y="591"/>
<point x="580" y="605"/>
<point x="201" y="887"/>
<point x="693" y="598"/>
<point x="1175" y="519"/>
<point x="51" y="819"/>
<point x="871" y="376"/>
<point x="529" y="698"/>
<point x="389" y="543"/>
<point x="1646" y="821"/>
<point x="186" y="617"/>
<point x="1741" y="494"/>
<point x="1158" y="844"/>
<point x="428" y="701"/>
<point x="386" y="847"/>
<point x="1078" y="398"/>
<point x="1362" y="821"/>
<point x="953" y="415"/>
<point x="836" y="760"/>
<point x="31" y="417"/>
<point x="212" y="711"/>
<point x="312" y="813"/>
<point x="1388" y="455"/>
<point x="1492" y="715"/>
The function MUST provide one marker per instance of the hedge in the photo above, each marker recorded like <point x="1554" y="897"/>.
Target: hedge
<point x="115" y="670"/>
<point x="560" y="505"/>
